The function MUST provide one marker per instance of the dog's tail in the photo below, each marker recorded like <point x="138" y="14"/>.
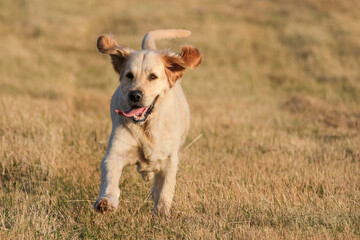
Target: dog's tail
<point x="150" y="38"/>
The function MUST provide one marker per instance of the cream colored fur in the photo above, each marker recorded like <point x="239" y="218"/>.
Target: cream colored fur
<point x="150" y="38"/>
<point x="154" y="145"/>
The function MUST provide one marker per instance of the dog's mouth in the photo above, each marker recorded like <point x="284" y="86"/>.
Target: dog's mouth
<point x="138" y="114"/>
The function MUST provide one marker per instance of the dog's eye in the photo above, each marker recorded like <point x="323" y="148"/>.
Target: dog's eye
<point x="153" y="76"/>
<point x="130" y="76"/>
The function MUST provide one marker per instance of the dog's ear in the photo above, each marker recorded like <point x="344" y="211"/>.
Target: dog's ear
<point x="119" y="54"/>
<point x="176" y="64"/>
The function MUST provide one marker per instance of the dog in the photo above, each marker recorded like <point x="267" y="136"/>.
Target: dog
<point x="150" y="116"/>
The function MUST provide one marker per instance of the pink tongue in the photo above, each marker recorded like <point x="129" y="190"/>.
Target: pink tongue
<point x="131" y="112"/>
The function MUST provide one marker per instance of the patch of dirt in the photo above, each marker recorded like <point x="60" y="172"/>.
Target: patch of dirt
<point x="332" y="116"/>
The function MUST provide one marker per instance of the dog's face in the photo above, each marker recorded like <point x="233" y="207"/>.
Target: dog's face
<point x="143" y="78"/>
<point x="146" y="75"/>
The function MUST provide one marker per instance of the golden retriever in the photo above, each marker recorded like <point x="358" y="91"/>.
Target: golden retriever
<point x="150" y="116"/>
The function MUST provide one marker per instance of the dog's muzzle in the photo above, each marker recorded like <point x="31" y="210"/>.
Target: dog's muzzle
<point x="138" y="114"/>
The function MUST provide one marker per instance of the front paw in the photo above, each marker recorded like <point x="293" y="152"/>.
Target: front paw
<point x="104" y="204"/>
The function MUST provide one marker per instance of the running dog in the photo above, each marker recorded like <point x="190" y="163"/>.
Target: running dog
<point x="150" y="116"/>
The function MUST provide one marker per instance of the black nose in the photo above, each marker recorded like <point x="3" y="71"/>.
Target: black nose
<point x="135" y="96"/>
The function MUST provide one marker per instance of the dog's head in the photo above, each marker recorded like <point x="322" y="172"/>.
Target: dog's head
<point x="148" y="74"/>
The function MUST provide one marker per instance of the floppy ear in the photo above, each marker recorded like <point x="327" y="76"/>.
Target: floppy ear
<point x="108" y="45"/>
<point x="175" y="65"/>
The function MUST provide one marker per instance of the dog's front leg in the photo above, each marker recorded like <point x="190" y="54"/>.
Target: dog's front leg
<point x="164" y="186"/>
<point x="111" y="168"/>
<point x="120" y="153"/>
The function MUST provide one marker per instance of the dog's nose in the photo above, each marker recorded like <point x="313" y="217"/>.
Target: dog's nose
<point x="135" y="96"/>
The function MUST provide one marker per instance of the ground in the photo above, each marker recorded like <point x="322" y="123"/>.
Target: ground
<point x="274" y="114"/>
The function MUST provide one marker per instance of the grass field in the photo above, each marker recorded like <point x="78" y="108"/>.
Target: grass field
<point x="275" y="103"/>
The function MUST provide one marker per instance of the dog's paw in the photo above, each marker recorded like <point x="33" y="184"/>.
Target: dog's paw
<point x="161" y="212"/>
<point x="147" y="176"/>
<point x="162" y="209"/>
<point x="104" y="204"/>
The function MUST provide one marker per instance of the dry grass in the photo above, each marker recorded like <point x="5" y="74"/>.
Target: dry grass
<point x="276" y="101"/>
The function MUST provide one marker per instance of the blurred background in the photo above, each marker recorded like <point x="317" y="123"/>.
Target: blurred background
<point x="274" y="105"/>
